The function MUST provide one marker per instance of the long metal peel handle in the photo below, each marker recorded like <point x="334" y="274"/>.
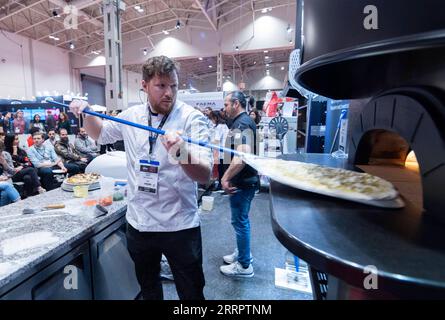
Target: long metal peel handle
<point x="151" y="129"/>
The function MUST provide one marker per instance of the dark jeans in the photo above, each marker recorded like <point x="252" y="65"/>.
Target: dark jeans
<point x="183" y="250"/>
<point x="90" y="157"/>
<point x="105" y="147"/>
<point x="30" y="179"/>
<point x="75" y="167"/>
<point x="47" y="177"/>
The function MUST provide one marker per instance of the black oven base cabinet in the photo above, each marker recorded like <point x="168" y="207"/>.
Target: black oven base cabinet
<point x="99" y="268"/>
<point x="68" y="278"/>
<point x="114" y="276"/>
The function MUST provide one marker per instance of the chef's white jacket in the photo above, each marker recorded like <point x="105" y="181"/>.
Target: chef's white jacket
<point x="174" y="207"/>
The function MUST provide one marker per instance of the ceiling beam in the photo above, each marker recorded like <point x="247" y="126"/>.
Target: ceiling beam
<point x="218" y="4"/>
<point x="33" y="25"/>
<point x="170" y="9"/>
<point x="240" y="7"/>
<point x="198" y="2"/>
<point x="20" y="10"/>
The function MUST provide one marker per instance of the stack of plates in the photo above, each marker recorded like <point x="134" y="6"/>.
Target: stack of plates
<point x="69" y="187"/>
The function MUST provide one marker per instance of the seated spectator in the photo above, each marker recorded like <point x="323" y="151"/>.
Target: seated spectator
<point x="85" y="146"/>
<point x="2" y="136"/>
<point x="37" y="123"/>
<point x="69" y="155"/>
<point x="45" y="160"/>
<point x="64" y="123"/>
<point x="8" y="193"/>
<point x="30" y="140"/>
<point x="17" y="158"/>
<point x="51" y="141"/>
<point x="19" y="123"/>
<point x="50" y="122"/>
<point x="5" y="169"/>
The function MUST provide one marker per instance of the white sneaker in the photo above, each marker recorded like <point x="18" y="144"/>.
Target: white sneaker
<point x="233" y="257"/>
<point x="236" y="270"/>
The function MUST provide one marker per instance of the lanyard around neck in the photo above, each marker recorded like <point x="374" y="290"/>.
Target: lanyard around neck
<point x="153" y="137"/>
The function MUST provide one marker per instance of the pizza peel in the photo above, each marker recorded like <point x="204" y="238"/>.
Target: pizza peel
<point x="252" y="160"/>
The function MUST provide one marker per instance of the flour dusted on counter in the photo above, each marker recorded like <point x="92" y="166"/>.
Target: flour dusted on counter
<point x="27" y="241"/>
<point x="5" y="268"/>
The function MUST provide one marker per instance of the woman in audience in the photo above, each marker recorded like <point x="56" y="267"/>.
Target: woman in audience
<point x="24" y="172"/>
<point x="8" y="193"/>
<point x="37" y="123"/>
<point x="255" y="115"/>
<point x="64" y="123"/>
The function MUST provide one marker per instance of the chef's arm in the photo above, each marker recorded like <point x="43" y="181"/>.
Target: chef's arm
<point x="237" y="164"/>
<point x="93" y="126"/>
<point x="197" y="168"/>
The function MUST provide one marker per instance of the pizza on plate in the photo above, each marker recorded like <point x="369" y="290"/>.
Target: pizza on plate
<point x="325" y="180"/>
<point x="83" y="178"/>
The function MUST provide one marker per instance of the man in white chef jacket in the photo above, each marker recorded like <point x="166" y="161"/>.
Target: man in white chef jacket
<point x="162" y="199"/>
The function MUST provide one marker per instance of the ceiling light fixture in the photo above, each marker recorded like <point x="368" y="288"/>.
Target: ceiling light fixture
<point x="237" y="48"/>
<point x="165" y="32"/>
<point x="210" y="66"/>
<point x="282" y="68"/>
<point x="266" y="51"/>
<point x="200" y="58"/>
<point x="54" y="38"/>
<point x="56" y="14"/>
<point x="264" y="10"/>
<point x="266" y="57"/>
<point x="178" y="25"/>
<point x="72" y="46"/>
<point x="267" y="65"/>
<point x="145" y="52"/>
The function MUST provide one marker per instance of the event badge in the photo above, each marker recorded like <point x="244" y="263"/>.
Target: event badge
<point x="148" y="174"/>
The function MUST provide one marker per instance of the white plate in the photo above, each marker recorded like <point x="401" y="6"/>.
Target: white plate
<point x="394" y="203"/>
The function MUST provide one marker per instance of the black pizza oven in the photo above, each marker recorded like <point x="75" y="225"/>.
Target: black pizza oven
<point x="389" y="57"/>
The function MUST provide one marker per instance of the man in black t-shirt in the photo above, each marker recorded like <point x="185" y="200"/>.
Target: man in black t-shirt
<point x="240" y="182"/>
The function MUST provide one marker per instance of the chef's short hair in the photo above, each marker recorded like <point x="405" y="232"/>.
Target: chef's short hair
<point x="160" y="66"/>
<point x="238" y="95"/>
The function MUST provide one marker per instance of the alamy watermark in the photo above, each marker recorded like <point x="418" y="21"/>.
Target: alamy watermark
<point x="71" y="281"/>
<point x="240" y="141"/>
<point x="71" y="20"/>
<point x="371" y="21"/>
<point x="370" y="282"/>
